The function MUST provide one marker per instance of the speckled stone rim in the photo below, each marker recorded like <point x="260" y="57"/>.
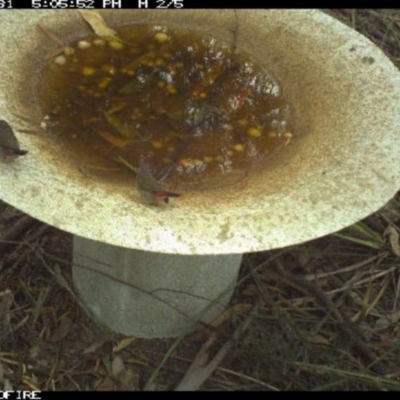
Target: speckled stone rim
<point x="343" y="165"/>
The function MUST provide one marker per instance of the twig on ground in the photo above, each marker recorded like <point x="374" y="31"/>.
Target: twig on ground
<point x="200" y="370"/>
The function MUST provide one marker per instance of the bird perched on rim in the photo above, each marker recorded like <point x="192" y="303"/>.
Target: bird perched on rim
<point x="9" y="146"/>
<point x="151" y="190"/>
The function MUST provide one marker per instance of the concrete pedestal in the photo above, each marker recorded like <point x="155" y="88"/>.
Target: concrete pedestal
<point x="151" y="295"/>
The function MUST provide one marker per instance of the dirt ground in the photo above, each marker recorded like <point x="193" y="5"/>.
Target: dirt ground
<point x="323" y="315"/>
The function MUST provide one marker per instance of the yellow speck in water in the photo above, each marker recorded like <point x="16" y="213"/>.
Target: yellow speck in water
<point x="116" y="45"/>
<point x="99" y="42"/>
<point x="239" y="147"/>
<point x="69" y="51"/>
<point x="171" y="89"/>
<point x="157" y="144"/>
<point x="88" y="71"/>
<point x="84" y="44"/>
<point x="272" y="134"/>
<point x="243" y="121"/>
<point x="161" y="37"/>
<point x="208" y="159"/>
<point x="60" y="60"/>
<point x="254" y="132"/>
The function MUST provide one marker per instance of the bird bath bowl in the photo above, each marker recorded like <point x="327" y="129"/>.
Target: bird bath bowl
<point x="341" y="166"/>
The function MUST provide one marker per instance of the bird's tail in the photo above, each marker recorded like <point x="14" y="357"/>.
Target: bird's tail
<point x="20" y="152"/>
<point x="16" y="152"/>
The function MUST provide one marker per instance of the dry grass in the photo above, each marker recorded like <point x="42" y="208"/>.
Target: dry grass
<point x="327" y="315"/>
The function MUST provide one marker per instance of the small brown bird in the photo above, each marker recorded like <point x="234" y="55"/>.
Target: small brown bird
<point x="150" y="188"/>
<point x="9" y="146"/>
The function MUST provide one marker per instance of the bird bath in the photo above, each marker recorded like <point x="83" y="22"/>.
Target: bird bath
<point x="181" y="262"/>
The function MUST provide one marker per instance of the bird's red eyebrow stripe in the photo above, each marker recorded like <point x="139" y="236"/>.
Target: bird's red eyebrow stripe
<point x="160" y="194"/>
